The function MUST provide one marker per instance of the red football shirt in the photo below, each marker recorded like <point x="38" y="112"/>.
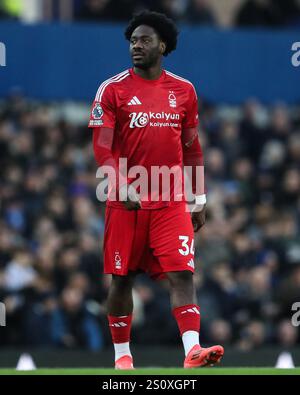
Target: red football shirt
<point x="148" y="117"/>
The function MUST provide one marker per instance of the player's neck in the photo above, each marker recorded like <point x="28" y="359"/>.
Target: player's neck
<point x="153" y="73"/>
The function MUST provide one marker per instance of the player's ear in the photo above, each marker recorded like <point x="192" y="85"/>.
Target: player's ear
<point x="162" y="47"/>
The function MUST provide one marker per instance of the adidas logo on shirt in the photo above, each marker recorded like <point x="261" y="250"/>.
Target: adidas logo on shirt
<point x="134" y="101"/>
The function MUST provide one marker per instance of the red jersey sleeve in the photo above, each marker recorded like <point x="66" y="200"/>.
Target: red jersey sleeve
<point x="191" y="118"/>
<point x="103" y="112"/>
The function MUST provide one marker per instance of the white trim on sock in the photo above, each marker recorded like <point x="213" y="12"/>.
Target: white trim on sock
<point x="189" y="340"/>
<point x="121" y="349"/>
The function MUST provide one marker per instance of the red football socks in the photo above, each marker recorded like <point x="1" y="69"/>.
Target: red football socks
<point x="120" y="328"/>
<point x="188" y="318"/>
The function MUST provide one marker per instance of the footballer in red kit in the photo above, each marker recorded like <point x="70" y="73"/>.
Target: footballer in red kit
<point x="144" y="122"/>
<point x="148" y="117"/>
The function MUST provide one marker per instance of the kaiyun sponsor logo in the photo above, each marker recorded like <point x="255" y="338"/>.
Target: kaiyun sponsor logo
<point x="141" y="119"/>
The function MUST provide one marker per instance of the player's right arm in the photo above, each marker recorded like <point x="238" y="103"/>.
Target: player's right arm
<point x="103" y="120"/>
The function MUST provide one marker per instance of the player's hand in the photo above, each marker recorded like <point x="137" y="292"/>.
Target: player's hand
<point x="130" y="198"/>
<point x="198" y="216"/>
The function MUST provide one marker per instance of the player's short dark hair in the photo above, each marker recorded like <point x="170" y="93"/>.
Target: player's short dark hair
<point x="164" y="26"/>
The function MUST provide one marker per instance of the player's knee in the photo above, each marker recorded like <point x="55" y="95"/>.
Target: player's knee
<point x="182" y="279"/>
<point x="121" y="283"/>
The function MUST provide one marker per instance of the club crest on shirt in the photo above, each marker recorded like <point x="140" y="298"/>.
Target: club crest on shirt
<point x="172" y="99"/>
<point x="97" y="111"/>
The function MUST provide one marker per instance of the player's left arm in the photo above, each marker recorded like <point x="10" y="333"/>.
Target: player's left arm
<point x="193" y="157"/>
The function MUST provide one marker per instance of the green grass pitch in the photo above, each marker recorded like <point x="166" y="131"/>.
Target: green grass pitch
<point x="156" y="371"/>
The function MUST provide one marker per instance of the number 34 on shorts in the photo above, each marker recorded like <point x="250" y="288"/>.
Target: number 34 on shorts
<point x="186" y="248"/>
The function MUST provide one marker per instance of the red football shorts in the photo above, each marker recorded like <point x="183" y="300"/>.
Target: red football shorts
<point x="152" y="241"/>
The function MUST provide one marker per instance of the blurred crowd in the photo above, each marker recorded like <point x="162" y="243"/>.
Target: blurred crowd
<point x="51" y="232"/>
<point x="227" y="13"/>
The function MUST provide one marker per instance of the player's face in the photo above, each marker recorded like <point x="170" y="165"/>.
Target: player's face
<point x="145" y="47"/>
